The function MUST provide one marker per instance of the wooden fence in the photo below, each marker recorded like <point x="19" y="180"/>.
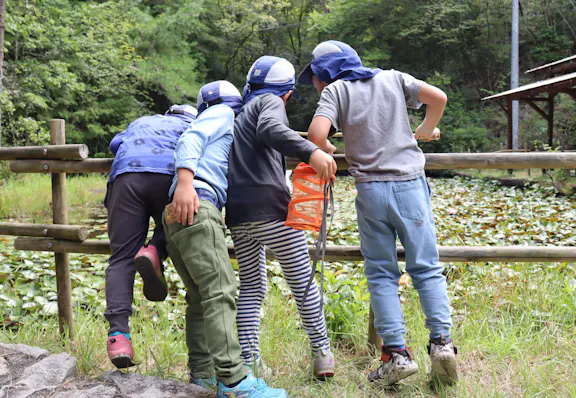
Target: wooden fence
<point x="60" y="238"/>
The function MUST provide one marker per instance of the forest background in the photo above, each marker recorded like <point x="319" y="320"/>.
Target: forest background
<point x="101" y="64"/>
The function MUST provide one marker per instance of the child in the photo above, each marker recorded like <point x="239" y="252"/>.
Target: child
<point x="257" y="207"/>
<point x="369" y="106"/>
<point x="141" y="175"/>
<point x="197" y="246"/>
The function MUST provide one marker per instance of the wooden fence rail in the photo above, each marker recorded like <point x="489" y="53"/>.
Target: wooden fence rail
<point x="68" y="232"/>
<point x="434" y="161"/>
<point x="73" y="151"/>
<point x="344" y="253"/>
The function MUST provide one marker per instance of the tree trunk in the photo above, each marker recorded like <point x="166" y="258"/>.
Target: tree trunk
<point x="2" y="14"/>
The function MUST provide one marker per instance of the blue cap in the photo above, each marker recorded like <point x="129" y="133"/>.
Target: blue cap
<point x="270" y="74"/>
<point x="219" y="92"/>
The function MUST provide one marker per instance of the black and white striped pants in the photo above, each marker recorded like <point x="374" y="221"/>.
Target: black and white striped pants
<point x="289" y="246"/>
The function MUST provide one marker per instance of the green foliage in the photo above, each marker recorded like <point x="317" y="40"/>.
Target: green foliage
<point x="171" y="68"/>
<point x="69" y="61"/>
<point x="99" y="64"/>
<point x="346" y="295"/>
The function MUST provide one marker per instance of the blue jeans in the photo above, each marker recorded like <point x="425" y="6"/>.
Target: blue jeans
<point x="401" y="208"/>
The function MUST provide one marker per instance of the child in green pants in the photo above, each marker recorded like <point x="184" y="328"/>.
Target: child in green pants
<point x="196" y="243"/>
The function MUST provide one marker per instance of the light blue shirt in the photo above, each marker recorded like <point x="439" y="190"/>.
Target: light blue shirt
<point x="204" y="148"/>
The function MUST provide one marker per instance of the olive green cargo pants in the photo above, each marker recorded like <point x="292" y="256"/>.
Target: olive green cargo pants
<point x="200" y="256"/>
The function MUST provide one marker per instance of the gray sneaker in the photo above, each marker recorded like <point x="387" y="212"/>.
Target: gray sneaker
<point x="443" y="356"/>
<point x="396" y="365"/>
<point x="324" y="365"/>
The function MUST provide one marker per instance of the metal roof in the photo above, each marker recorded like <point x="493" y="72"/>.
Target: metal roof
<point x="535" y="85"/>
<point x="562" y="61"/>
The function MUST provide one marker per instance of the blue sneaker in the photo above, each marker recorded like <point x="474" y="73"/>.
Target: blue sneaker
<point x="209" y="384"/>
<point x="250" y="387"/>
<point x="269" y="392"/>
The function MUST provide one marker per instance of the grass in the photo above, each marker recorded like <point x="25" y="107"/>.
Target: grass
<point x="514" y="327"/>
<point x="29" y="196"/>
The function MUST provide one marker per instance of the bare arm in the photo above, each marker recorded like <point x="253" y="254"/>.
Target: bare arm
<point x="435" y="100"/>
<point x="186" y="202"/>
<point x="318" y="133"/>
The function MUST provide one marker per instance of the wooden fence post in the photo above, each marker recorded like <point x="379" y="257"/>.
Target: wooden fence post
<point x="374" y="340"/>
<point x="60" y="216"/>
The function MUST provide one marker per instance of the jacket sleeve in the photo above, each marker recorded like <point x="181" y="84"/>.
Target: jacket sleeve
<point x="272" y="129"/>
<point x="116" y="142"/>
<point x="212" y="124"/>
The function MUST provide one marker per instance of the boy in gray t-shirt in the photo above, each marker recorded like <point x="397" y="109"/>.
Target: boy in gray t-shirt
<point x="369" y="106"/>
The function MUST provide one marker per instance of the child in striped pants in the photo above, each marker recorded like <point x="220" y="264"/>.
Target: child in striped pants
<point x="257" y="207"/>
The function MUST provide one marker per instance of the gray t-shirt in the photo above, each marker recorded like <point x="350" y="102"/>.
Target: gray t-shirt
<point x="372" y="114"/>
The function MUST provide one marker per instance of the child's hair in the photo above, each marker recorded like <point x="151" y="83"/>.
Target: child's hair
<point x="219" y="92"/>
<point x="333" y="60"/>
<point x="272" y="75"/>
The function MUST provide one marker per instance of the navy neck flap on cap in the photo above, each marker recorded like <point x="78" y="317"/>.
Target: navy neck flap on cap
<point x="341" y="66"/>
<point x="211" y="96"/>
<point x="257" y="83"/>
<point x="338" y="65"/>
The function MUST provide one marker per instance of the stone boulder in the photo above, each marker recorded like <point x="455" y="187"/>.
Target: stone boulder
<point x="31" y="372"/>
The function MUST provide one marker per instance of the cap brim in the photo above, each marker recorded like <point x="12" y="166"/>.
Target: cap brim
<point x="296" y="94"/>
<point x="305" y="76"/>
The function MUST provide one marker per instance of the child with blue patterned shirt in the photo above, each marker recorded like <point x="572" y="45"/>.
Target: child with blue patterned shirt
<point x="141" y="175"/>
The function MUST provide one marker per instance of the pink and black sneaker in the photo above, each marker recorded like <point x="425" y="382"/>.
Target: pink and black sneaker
<point x="151" y="270"/>
<point x="120" y="351"/>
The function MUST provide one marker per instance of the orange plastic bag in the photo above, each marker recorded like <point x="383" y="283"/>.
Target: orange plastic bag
<point x="306" y="207"/>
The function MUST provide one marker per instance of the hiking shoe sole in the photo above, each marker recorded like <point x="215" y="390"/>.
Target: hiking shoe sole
<point x="123" y="361"/>
<point x="323" y="375"/>
<point x="154" y="288"/>
<point x="395" y="378"/>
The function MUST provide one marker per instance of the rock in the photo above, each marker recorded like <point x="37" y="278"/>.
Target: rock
<point x="4" y="371"/>
<point x="30" y="372"/>
<point x="41" y="378"/>
<point x="99" y="391"/>
<point x="34" y="352"/>
<point x="132" y="385"/>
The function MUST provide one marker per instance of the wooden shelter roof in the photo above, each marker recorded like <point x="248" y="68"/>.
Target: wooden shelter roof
<point x="553" y="85"/>
<point x="565" y="65"/>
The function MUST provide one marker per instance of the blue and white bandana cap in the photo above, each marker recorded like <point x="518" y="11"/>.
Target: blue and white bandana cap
<point x="270" y="74"/>
<point x="219" y="92"/>
<point x="333" y="60"/>
<point x="186" y="111"/>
